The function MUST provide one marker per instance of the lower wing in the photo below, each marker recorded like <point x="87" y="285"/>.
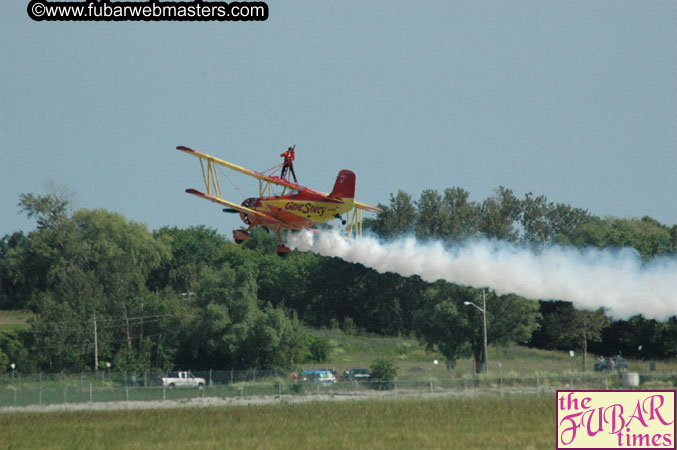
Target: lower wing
<point x="265" y="218"/>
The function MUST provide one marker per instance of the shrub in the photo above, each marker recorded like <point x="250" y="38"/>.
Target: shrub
<point x="349" y="326"/>
<point x="383" y="373"/>
<point x="319" y="349"/>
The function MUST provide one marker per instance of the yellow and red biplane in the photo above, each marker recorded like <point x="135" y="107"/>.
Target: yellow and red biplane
<point x="295" y="208"/>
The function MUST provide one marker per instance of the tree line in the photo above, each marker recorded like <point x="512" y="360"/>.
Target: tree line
<point x="532" y="221"/>
<point x="103" y="288"/>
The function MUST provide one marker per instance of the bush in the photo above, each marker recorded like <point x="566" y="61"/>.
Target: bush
<point x="349" y="326"/>
<point x="319" y="349"/>
<point x="383" y="373"/>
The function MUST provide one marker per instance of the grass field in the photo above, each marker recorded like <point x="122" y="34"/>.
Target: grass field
<point x="414" y="360"/>
<point x="14" y="320"/>
<point x="523" y="421"/>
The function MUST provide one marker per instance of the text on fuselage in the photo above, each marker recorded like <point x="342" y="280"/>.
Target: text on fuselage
<point x="305" y="208"/>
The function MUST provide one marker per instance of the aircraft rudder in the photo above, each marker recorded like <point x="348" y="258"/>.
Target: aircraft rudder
<point x="344" y="186"/>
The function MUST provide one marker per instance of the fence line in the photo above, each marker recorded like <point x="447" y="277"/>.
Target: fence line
<point x="44" y="389"/>
<point x="232" y="376"/>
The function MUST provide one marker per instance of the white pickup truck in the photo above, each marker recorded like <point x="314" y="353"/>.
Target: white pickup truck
<point x="183" y="379"/>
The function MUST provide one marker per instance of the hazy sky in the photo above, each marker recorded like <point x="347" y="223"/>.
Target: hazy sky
<point x="575" y="100"/>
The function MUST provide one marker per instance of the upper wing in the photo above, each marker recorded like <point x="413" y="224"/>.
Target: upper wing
<point x="266" y="218"/>
<point x="366" y="207"/>
<point x="251" y="173"/>
<point x="275" y="180"/>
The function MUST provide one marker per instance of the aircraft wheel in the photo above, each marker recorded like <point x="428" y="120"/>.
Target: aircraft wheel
<point x="282" y="250"/>
<point x="240" y="236"/>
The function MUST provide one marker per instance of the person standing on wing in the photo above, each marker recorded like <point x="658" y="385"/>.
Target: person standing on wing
<point x="288" y="165"/>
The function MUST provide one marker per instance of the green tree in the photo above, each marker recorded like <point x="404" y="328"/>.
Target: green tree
<point x="397" y="219"/>
<point x="230" y="329"/>
<point x="261" y="241"/>
<point x="93" y="266"/>
<point x="566" y="327"/>
<point x="499" y="214"/>
<point x="4" y="361"/>
<point x="459" y="215"/>
<point x="646" y="235"/>
<point x="445" y="322"/>
<point x="440" y="324"/>
<point x="64" y="323"/>
<point x="379" y="303"/>
<point x="639" y="338"/>
<point x="537" y="229"/>
<point x="49" y="210"/>
<point x="668" y="338"/>
<point x="319" y="349"/>
<point x="22" y="274"/>
<point x="224" y="308"/>
<point x="564" y="220"/>
<point x="274" y="340"/>
<point x="14" y="290"/>
<point x="288" y="282"/>
<point x="430" y="219"/>
<point x="450" y="216"/>
<point x="11" y="349"/>
<point x="383" y="373"/>
<point x="192" y="249"/>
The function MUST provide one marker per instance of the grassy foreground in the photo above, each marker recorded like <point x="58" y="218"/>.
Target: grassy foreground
<point x="524" y="421"/>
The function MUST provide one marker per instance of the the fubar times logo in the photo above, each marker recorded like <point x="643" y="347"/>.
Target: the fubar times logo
<point x="616" y="419"/>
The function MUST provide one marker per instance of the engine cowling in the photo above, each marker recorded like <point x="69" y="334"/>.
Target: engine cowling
<point x="248" y="203"/>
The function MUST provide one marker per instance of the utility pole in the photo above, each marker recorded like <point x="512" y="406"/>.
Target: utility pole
<point x="96" y="347"/>
<point x="484" y="313"/>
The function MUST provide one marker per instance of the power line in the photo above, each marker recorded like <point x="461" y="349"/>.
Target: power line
<point x="145" y="319"/>
<point x="91" y="344"/>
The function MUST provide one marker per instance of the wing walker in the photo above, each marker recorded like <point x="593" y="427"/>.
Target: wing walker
<point x="295" y="208"/>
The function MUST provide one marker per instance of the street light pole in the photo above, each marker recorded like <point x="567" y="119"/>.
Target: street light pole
<point x="96" y="347"/>
<point x="484" y="317"/>
<point x="484" y="313"/>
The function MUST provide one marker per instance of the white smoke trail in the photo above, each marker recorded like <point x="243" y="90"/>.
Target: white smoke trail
<point x="617" y="280"/>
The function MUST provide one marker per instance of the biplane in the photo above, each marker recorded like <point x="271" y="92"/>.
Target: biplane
<point x="294" y="208"/>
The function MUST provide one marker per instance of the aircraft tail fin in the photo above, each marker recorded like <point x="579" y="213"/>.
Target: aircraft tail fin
<point x="344" y="186"/>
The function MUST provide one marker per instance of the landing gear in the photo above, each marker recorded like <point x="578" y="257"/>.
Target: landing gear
<point x="282" y="250"/>
<point x="239" y="236"/>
